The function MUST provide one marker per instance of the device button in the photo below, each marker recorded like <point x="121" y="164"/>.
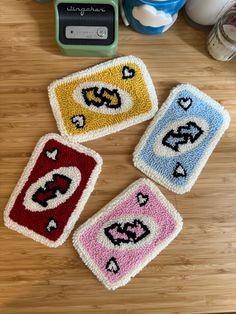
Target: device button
<point x="102" y="32"/>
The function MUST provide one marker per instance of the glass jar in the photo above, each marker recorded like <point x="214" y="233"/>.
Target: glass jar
<point x="222" y="38"/>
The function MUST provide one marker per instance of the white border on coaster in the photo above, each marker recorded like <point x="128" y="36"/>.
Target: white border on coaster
<point x="155" y="175"/>
<point x="91" y="135"/>
<point x="109" y="207"/>
<point x="80" y="205"/>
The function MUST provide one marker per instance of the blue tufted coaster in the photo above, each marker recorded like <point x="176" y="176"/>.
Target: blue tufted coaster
<point x="180" y="139"/>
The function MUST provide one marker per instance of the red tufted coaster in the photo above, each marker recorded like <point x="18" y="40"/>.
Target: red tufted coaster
<point x="52" y="190"/>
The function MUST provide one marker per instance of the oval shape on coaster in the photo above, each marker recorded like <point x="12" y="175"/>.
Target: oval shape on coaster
<point x="103" y="98"/>
<point x="53" y="189"/>
<point x="181" y="136"/>
<point x="128" y="232"/>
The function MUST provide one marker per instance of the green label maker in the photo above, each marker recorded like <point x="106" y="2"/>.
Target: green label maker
<point x="87" y="28"/>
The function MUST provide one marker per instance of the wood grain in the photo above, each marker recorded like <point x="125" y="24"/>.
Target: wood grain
<point x="197" y="272"/>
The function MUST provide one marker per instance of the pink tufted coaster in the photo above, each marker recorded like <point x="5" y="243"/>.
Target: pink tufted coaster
<point x="131" y="230"/>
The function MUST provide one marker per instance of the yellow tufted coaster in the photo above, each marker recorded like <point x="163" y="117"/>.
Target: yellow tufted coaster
<point x="103" y="99"/>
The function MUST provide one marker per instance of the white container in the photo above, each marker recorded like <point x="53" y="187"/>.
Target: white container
<point x="207" y="12"/>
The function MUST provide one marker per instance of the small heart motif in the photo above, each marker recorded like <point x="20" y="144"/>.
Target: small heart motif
<point x="142" y="199"/>
<point x="128" y="73"/>
<point x="52" y="225"/>
<point x="185" y="103"/>
<point x="179" y="171"/>
<point x="52" y="154"/>
<point x="112" y="265"/>
<point x="78" y="121"/>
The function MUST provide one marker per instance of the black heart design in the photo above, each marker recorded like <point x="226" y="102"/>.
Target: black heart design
<point x="112" y="265"/>
<point x="78" y="121"/>
<point x="52" y="154"/>
<point x="128" y="73"/>
<point x="52" y="225"/>
<point x="179" y="171"/>
<point x="142" y="199"/>
<point x="185" y="102"/>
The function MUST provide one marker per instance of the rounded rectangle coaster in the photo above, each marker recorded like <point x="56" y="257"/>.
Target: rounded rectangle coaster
<point x="53" y="190"/>
<point x="103" y="99"/>
<point x="180" y="139"/>
<point x="130" y="231"/>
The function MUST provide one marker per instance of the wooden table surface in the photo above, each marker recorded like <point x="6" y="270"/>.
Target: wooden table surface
<point x="197" y="272"/>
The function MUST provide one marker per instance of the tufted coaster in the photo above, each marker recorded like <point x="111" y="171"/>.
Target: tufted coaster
<point x="131" y="230"/>
<point x="103" y="99"/>
<point x="180" y="139"/>
<point x="52" y="190"/>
